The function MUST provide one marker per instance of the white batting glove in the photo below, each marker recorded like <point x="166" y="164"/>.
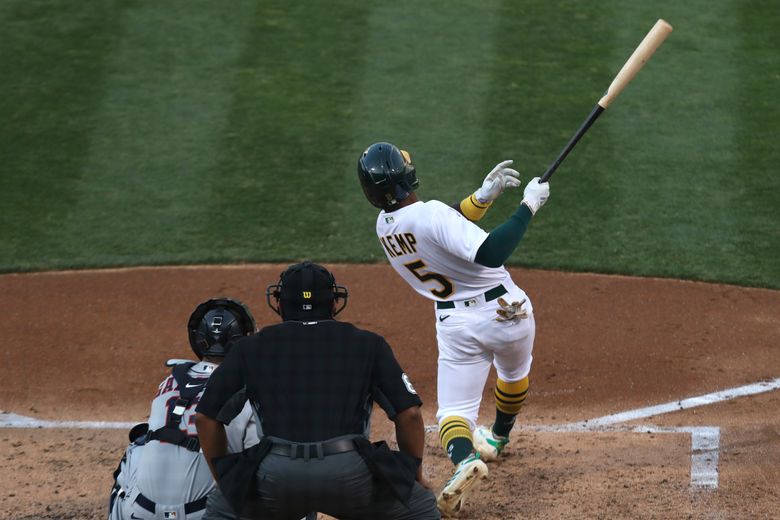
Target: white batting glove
<point x="536" y="194"/>
<point x="501" y="177"/>
<point x="509" y="312"/>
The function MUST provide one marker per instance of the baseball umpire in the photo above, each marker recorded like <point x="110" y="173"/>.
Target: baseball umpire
<point x="450" y="260"/>
<point x="162" y="473"/>
<point x="312" y="381"/>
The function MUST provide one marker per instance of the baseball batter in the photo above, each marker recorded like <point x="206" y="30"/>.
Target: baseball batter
<point x="163" y="474"/>
<point x="482" y="317"/>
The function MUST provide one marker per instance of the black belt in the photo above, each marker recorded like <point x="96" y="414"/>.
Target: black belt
<point x="308" y="450"/>
<point x="189" y="507"/>
<point x="490" y="295"/>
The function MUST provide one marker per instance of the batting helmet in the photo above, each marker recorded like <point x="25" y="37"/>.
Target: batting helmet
<point x="386" y="175"/>
<point x="215" y="323"/>
<point x="306" y="292"/>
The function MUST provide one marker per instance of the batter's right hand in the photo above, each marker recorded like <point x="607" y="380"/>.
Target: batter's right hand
<point x="536" y="194"/>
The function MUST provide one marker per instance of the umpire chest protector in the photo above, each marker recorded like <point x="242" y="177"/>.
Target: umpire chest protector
<point x="189" y="388"/>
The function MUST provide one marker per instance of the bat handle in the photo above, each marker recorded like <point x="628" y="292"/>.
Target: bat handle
<point x="594" y="114"/>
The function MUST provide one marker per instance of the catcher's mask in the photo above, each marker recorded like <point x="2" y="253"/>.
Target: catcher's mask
<point x="215" y="323"/>
<point x="306" y="292"/>
<point x="386" y="175"/>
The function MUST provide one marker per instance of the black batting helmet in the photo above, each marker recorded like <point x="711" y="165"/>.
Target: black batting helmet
<point x="386" y="175"/>
<point x="306" y="292"/>
<point x="215" y="323"/>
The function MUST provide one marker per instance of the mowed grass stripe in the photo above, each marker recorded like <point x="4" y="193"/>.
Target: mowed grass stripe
<point x="544" y="84"/>
<point x="424" y="84"/>
<point x="680" y="195"/>
<point x="280" y="196"/>
<point x="754" y="181"/>
<point x="676" y="124"/>
<point x="649" y="190"/>
<point x="54" y="71"/>
<point x="144" y="192"/>
<point x="602" y="215"/>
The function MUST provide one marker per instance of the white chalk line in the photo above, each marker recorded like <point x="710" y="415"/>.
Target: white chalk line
<point x="604" y="423"/>
<point x="676" y="406"/>
<point x="12" y="420"/>
<point x="705" y="440"/>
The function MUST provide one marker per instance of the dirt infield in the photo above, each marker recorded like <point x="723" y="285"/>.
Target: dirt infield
<point x="92" y="346"/>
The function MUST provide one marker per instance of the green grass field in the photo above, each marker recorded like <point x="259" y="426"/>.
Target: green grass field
<point x="181" y="132"/>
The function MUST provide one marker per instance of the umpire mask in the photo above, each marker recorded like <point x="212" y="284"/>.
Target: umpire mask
<point x="306" y="292"/>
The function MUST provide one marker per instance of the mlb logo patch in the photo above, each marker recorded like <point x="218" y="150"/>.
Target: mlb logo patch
<point x="169" y="514"/>
<point x="389" y="220"/>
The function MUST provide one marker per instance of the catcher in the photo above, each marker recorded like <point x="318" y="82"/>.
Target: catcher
<point x="162" y="474"/>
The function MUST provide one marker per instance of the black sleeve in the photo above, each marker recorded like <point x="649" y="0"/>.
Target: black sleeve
<point x="383" y="402"/>
<point x="227" y="379"/>
<point x="233" y="407"/>
<point x="392" y="382"/>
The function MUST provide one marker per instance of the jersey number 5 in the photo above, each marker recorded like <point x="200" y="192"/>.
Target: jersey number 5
<point x="446" y="285"/>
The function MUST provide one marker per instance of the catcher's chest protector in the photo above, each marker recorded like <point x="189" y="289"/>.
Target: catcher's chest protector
<point x="189" y="388"/>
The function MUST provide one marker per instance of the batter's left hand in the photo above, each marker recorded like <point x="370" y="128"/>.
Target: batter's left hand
<point x="500" y="178"/>
<point x="513" y="311"/>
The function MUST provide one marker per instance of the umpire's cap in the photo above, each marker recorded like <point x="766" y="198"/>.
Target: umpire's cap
<point x="306" y="292"/>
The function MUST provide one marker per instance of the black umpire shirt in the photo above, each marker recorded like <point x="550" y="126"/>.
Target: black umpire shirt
<point x="311" y="381"/>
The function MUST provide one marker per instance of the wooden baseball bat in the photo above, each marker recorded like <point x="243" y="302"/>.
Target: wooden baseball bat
<point x="635" y="62"/>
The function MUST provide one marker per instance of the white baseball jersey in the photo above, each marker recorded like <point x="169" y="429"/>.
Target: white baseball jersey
<point x="169" y="474"/>
<point x="432" y="246"/>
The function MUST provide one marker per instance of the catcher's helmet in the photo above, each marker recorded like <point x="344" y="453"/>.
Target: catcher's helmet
<point x="215" y="323"/>
<point x="306" y="292"/>
<point x="386" y="175"/>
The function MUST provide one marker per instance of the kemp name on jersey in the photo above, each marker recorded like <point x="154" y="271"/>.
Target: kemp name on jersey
<point x="400" y="244"/>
